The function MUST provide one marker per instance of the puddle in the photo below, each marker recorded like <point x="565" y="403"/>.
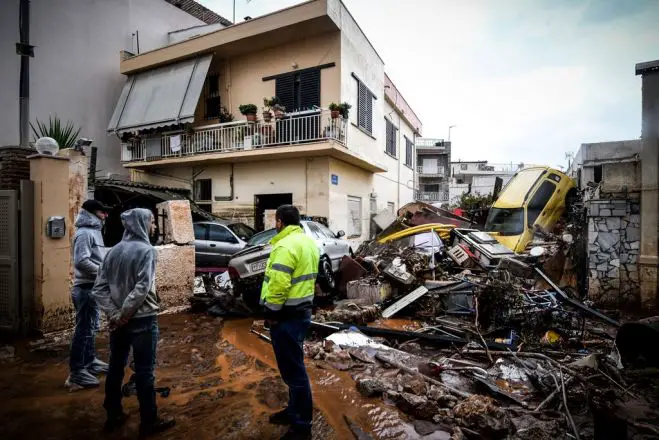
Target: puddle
<point x="334" y="391"/>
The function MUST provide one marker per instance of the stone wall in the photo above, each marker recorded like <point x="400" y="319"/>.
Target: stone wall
<point x="14" y="166"/>
<point x="614" y="235"/>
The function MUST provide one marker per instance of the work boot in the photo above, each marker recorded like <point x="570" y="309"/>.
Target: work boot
<point x="81" y="379"/>
<point x="280" y="418"/>
<point x="298" y="433"/>
<point x="115" y="422"/>
<point x="157" y="426"/>
<point x="97" y="366"/>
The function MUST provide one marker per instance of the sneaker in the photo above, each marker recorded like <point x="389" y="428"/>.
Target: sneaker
<point x="113" y="423"/>
<point x="157" y="426"/>
<point x="280" y="418"/>
<point x="97" y="366"/>
<point x="81" y="379"/>
<point x="298" y="433"/>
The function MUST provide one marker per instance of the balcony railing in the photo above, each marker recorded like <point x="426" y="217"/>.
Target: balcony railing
<point x="428" y="171"/>
<point x="424" y="196"/>
<point x="293" y="129"/>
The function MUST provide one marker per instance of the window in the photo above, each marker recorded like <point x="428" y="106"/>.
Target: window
<point x="598" y="173"/>
<point x="220" y="233"/>
<point x="431" y="188"/>
<point x="392" y="207"/>
<point x="200" y="232"/>
<point x="299" y="91"/>
<point x="241" y="230"/>
<point x="539" y="201"/>
<point x="354" y="216"/>
<point x="203" y="190"/>
<point x="315" y="231"/>
<point x="364" y="107"/>
<point x="262" y="237"/>
<point x="409" y="152"/>
<point x="212" y="103"/>
<point x="391" y="132"/>
<point x="505" y="221"/>
<point x="464" y="167"/>
<point x="325" y="230"/>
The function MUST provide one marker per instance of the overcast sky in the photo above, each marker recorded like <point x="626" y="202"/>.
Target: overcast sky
<point x="522" y="80"/>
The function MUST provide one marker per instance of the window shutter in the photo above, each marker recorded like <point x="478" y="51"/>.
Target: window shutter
<point x="361" y="105"/>
<point x="285" y="91"/>
<point x="369" y="110"/>
<point x="309" y="89"/>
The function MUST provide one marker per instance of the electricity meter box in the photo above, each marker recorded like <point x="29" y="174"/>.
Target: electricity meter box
<point x="55" y="227"/>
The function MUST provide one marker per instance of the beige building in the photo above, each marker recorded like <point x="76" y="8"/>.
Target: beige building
<point x="171" y="117"/>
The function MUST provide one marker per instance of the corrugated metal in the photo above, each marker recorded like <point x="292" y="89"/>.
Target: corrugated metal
<point x="163" y="96"/>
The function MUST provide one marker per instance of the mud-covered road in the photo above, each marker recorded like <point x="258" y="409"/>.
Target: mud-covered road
<point x="223" y="381"/>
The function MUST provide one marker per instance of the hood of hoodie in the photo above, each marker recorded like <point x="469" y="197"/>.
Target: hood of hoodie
<point x="137" y="224"/>
<point x="87" y="219"/>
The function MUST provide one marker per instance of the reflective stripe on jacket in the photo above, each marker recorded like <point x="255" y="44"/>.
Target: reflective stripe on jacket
<point x="290" y="274"/>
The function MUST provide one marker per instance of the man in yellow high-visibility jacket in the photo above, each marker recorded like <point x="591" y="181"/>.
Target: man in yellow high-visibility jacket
<point x="287" y="296"/>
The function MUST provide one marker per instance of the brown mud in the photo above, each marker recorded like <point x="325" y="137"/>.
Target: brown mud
<point x="223" y="381"/>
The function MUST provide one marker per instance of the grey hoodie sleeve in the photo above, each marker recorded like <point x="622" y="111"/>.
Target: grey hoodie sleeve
<point x="146" y="274"/>
<point x="82" y="252"/>
<point x="101" y="293"/>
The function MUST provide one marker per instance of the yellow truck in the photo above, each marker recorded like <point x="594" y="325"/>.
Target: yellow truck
<point x="534" y="197"/>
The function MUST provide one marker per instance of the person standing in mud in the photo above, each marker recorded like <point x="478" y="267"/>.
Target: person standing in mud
<point x="125" y="291"/>
<point x="88" y="253"/>
<point x="287" y="297"/>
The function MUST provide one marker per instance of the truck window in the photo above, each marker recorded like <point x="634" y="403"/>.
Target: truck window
<point x="506" y="221"/>
<point x="539" y="201"/>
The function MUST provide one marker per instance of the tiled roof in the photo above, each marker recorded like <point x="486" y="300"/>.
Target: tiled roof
<point x="201" y="12"/>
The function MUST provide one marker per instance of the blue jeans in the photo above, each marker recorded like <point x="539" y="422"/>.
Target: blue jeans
<point x="83" y="343"/>
<point x="287" y="343"/>
<point x="142" y="335"/>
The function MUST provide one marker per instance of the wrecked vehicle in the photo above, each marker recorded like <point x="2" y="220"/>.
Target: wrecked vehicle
<point x="247" y="267"/>
<point x="534" y="198"/>
<point x="217" y="241"/>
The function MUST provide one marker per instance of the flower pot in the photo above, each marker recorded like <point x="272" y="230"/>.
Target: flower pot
<point x="267" y="116"/>
<point x="251" y="117"/>
<point x="335" y="114"/>
<point x="279" y="114"/>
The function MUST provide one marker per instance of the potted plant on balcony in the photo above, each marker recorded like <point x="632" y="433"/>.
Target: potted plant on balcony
<point x="344" y="109"/>
<point x="268" y="105"/>
<point x="225" y="115"/>
<point x="335" y="110"/>
<point x="249" y="110"/>
<point x="279" y="110"/>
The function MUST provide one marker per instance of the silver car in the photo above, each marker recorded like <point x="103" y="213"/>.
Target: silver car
<point x="247" y="267"/>
<point x="217" y="241"/>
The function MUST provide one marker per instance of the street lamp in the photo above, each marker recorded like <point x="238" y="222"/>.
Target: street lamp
<point x="449" y="131"/>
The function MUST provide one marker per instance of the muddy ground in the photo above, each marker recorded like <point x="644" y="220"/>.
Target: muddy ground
<point x="223" y="381"/>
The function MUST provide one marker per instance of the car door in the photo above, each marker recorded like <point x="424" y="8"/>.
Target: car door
<point x="201" y="244"/>
<point x="331" y="244"/>
<point x="222" y="244"/>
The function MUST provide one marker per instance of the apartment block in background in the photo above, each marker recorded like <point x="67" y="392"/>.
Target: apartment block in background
<point x="179" y="119"/>
<point x="479" y="177"/>
<point x="433" y="170"/>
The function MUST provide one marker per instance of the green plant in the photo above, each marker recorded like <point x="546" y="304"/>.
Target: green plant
<point x="66" y="136"/>
<point x="334" y="107"/>
<point x="225" y="115"/>
<point x="344" y="109"/>
<point x="270" y="103"/>
<point x="248" y="109"/>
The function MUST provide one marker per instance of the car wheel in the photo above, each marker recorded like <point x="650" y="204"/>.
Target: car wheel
<point x="326" y="277"/>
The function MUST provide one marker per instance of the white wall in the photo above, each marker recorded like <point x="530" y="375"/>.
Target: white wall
<point x="75" y="70"/>
<point x="186" y="34"/>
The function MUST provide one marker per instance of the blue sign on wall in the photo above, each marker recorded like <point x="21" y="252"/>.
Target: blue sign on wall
<point x="335" y="179"/>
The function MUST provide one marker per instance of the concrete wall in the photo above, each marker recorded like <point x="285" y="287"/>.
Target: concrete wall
<point x="353" y="182"/>
<point x="185" y="34"/>
<point x="75" y="71"/>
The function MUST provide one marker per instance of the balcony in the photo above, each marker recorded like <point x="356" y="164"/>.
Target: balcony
<point x="424" y="196"/>
<point x="430" y="171"/>
<point x="294" y="130"/>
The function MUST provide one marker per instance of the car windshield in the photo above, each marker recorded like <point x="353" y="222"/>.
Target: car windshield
<point x="506" y="221"/>
<point x="243" y="231"/>
<point x="262" y="237"/>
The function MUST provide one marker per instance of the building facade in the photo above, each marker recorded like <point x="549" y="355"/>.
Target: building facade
<point x="308" y="56"/>
<point x="479" y="177"/>
<point x="73" y="74"/>
<point x="433" y="170"/>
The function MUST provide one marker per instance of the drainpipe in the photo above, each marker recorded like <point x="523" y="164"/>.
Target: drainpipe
<point x="26" y="51"/>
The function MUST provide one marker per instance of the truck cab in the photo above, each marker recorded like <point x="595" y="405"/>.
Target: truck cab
<point x="534" y="197"/>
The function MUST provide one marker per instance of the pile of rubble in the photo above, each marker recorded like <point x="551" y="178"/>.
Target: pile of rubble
<point x="501" y="350"/>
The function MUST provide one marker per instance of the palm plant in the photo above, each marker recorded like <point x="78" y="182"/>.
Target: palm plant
<point x="65" y="136"/>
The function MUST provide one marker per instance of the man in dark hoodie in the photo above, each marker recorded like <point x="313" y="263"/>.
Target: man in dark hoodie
<point x="125" y="291"/>
<point x="88" y="253"/>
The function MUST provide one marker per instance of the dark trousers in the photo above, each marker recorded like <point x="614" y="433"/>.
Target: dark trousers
<point x="83" y="343"/>
<point x="142" y="335"/>
<point x="287" y="342"/>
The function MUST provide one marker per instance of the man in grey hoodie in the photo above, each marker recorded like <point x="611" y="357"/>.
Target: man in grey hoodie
<point x="125" y="291"/>
<point x="88" y="253"/>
